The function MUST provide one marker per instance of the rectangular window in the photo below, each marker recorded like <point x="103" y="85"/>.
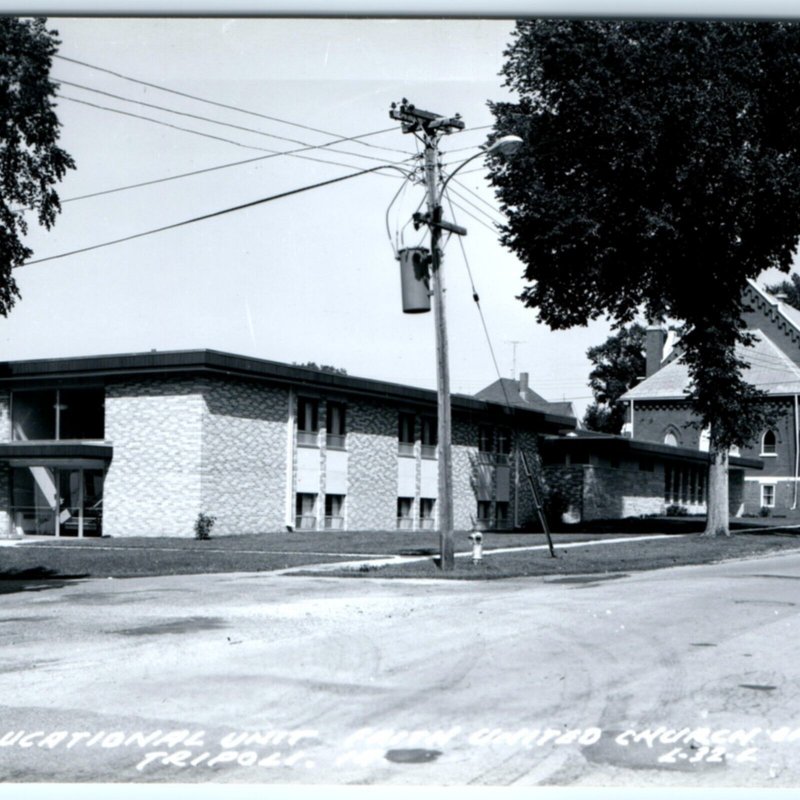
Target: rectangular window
<point x="306" y="512"/>
<point x="503" y="445"/>
<point x="307" y="421"/>
<point x="405" y="520"/>
<point x="768" y="495"/>
<point x="334" y="511"/>
<point x="667" y="484"/>
<point x="335" y="426"/>
<point x="406" y="434"/>
<point x="426" y="507"/>
<point x="501" y="516"/>
<point x="485" y="439"/>
<point x="484" y="513"/>
<point x="428" y="437"/>
<point x="54" y="414"/>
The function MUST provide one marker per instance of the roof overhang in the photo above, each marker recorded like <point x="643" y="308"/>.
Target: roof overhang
<point x="99" y="370"/>
<point x="607" y="445"/>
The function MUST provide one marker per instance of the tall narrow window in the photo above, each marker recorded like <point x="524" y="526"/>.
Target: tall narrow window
<point x="405" y="434"/>
<point x="428" y="436"/>
<point x="306" y="511"/>
<point x="335" y="426"/>
<point x="405" y="520"/>
<point x="768" y="495"/>
<point x="426" y="506"/>
<point x="503" y="445"/>
<point x="334" y="511"/>
<point x="484" y="513"/>
<point x="501" y="516"/>
<point x="769" y="444"/>
<point x="485" y="439"/>
<point x="307" y="421"/>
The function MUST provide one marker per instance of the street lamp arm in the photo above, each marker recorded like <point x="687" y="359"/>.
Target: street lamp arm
<point x="507" y="145"/>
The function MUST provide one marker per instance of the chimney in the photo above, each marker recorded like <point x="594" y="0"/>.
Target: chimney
<point x="523" y="386"/>
<point x="655" y="339"/>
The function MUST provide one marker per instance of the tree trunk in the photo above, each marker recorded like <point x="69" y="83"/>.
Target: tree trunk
<point x="717" y="502"/>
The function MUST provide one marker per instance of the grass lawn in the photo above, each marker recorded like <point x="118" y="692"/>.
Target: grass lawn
<point x="29" y="564"/>
<point x="611" y="559"/>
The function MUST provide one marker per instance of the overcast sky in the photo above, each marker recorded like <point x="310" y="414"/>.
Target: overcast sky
<point x="306" y="278"/>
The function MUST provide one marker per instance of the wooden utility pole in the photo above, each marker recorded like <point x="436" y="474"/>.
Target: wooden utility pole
<point x="431" y="127"/>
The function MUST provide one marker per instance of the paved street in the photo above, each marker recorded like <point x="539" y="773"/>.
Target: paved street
<point x="686" y="676"/>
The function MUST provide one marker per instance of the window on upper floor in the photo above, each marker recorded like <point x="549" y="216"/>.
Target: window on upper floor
<point x="769" y="443"/>
<point x="336" y="431"/>
<point x="53" y="414"/>
<point x="671" y="439"/>
<point x="307" y="421"/>
<point x="486" y="439"/>
<point x="428" y="436"/>
<point x="406" y="433"/>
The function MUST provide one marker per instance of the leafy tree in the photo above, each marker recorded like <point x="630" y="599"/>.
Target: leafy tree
<point x="30" y="161"/>
<point x="661" y="171"/>
<point x="790" y="288"/>
<point x="323" y="367"/>
<point x="619" y="363"/>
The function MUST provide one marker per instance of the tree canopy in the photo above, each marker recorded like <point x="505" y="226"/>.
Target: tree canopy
<point x="661" y="171"/>
<point x="619" y="363"/>
<point x="30" y="160"/>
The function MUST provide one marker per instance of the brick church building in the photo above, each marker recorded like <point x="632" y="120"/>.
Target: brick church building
<point x="659" y="412"/>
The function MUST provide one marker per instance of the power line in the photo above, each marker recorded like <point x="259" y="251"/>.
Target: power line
<point x="188" y="174"/>
<point x="209" y="216"/>
<point x="228" y="124"/>
<point x="469" y="202"/>
<point x="205" y="135"/>
<point x="470" y="214"/>
<point x="475" y="194"/>
<point x="222" y="105"/>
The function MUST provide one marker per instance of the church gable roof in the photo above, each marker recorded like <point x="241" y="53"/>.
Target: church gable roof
<point x="768" y="368"/>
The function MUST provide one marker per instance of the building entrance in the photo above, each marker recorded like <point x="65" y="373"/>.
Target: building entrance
<point x="58" y="501"/>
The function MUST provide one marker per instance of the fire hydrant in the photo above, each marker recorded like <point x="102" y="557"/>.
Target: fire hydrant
<point x="477" y="546"/>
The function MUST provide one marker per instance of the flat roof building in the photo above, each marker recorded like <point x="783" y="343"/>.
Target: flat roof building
<point x="141" y="444"/>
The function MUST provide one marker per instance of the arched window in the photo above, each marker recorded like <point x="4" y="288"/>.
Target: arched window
<point x="705" y="440"/>
<point x="769" y="443"/>
<point x="671" y="439"/>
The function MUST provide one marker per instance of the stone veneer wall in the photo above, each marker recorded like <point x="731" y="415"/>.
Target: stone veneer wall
<point x="244" y="432"/>
<point x="372" y="466"/>
<point x="609" y="493"/>
<point x="527" y="514"/>
<point x="464" y="453"/>
<point x="154" y="484"/>
<point x="6" y="530"/>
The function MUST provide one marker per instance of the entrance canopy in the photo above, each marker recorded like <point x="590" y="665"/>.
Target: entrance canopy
<point x="55" y="453"/>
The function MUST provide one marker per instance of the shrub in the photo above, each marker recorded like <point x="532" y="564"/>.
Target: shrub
<point x="677" y="511"/>
<point x="765" y="511"/>
<point x="203" y="525"/>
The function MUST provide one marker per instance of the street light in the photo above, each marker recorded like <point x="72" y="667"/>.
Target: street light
<point x="432" y="126"/>
<point x="507" y="146"/>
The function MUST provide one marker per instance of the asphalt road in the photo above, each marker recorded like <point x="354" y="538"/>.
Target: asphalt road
<point x="686" y="676"/>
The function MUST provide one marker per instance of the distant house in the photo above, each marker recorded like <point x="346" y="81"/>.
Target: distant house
<point x="140" y="444"/>
<point x="660" y="413"/>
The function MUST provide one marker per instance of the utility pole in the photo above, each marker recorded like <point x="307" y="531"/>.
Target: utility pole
<point x="430" y="128"/>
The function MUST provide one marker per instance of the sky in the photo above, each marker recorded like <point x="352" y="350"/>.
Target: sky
<point x="307" y="278"/>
